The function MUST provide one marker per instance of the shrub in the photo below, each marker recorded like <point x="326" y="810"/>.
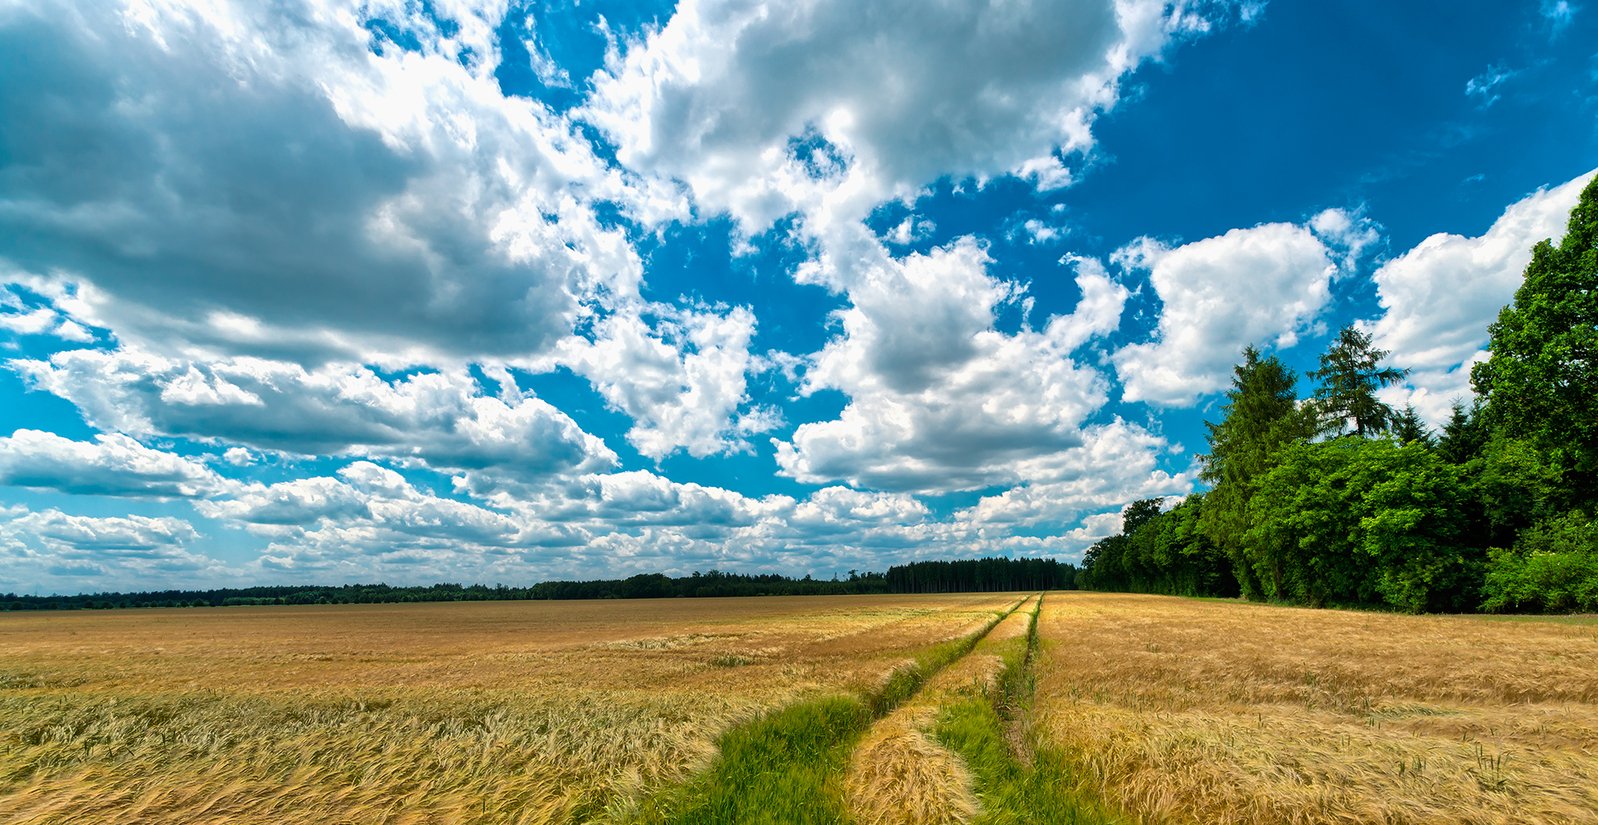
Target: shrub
<point x="1553" y="568"/>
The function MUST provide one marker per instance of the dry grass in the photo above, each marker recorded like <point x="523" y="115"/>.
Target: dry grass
<point x="478" y="712"/>
<point x="1193" y="711"/>
<point x="899" y="774"/>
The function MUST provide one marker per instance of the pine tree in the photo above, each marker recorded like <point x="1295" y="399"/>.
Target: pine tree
<point x="1350" y="375"/>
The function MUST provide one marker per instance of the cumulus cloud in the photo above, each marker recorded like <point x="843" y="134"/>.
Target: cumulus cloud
<point x="111" y="464"/>
<point x="1439" y="297"/>
<point x="1260" y="285"/>
<point x="940" y="399"/>
<point x="53" y="551"/>
<point x="679" y="373"/>
<point x="442" y="419"/>
<point x="270" y="179"/>
<point x="1118" y="462"/>
<point x="752" y="103"/>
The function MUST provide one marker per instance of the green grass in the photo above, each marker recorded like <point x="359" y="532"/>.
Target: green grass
<point x="788" y="766"/>
<point x="781" y="768"/>
<point x="1014" y="792"/>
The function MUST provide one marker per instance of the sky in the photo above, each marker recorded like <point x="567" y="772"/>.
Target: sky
<point x="308" y="291"/>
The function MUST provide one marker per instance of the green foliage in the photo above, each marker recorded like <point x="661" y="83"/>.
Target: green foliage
<point x="1139" y="513"/>
<point x="1260" y="417"/>
<point x="782" y="768"/>
<point x="1464" y="436"/>
<point x="1162" y="553"/>
<point x="1408" y="427"/>
<point x="1554" y="569"/>
<point x="962" y="576"/>
<point x="1350" y="374"/>
<point x="1515" y="485"/>
<point x="1400" y="522"/>
<point x="994" y="575"/>
<point x="1541" y="379"/>
<point x="1360" y="521"/>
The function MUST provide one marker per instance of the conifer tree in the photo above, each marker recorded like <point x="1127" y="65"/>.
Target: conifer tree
<point x="1408" y="428"/>
<point x="1350" y="374"/>
<point x="1261" y="416"/>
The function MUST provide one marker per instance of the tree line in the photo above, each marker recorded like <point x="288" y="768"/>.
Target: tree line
<point x="1338" y="499"/>
<point x="981" y="576"/>
<point x="973" y="575"/>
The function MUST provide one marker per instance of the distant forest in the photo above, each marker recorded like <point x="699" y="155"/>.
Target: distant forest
<point x="1338" y="499"/>
<point x="964" y="576"/>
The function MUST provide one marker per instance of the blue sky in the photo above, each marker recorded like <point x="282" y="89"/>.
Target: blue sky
<point x="414" y="292"/>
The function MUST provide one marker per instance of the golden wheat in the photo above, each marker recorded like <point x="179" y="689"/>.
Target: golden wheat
<point x="898" y="774"/>
<point x="513" y="712"/>
<point x="1181" y="710"/>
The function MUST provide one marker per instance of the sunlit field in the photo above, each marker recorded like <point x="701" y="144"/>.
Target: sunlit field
<point x="1091" y="708"/>
<point x="461" y="712"/>
<point x="1179" y="710"/>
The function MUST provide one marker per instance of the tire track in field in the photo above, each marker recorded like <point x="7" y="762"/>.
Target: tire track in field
<point x="1018" y="778"/>
<point x="899" y="773"/>
<point x="789" y="766"/>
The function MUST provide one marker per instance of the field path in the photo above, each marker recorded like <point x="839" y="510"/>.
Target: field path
<point x="790" y="766"/>
<point x="899" y="774"/>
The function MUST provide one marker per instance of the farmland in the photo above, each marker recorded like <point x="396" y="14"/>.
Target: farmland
<point x="481" y="712"/>
<point x="868" y="709"/>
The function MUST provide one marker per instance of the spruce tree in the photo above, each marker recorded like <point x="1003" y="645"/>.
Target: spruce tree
<point x="1261" y="416"/>
<point x="1350" y="375"/>
<point x="1408" y="428"/>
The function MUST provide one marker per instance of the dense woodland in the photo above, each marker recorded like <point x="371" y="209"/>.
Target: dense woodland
<point x="1339" y="499"/>
<point x="971" y="575"/>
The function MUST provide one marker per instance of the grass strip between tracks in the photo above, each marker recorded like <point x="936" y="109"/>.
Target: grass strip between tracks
<point x="786" y="766"/>
<point x="1029" y="787"/>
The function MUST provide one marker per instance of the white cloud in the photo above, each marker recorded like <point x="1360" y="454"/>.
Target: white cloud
<point x="53" y="551"/>
<point x="1260" y="286"/>
<point x="22" y="318"/>
<point x="682" y="379"/>
<point x="297" y="502"/>
<point x="112" y="465"/>
<point x="248" y="177"/>
<point x="939" y="399"/>
<point x="1484" y="87"/>
<point x="1117" y="463"/>
<point x="1558" y="13"/>
<point x="440" y="418"/>
<point x="833" y="510"/>
<point x="736" y="97"/>
<point x="1439" y="297"/>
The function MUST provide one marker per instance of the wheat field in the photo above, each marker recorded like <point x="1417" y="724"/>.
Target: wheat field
<point x="523" y="712"/>
<point x="1188" y="711"/>
<point x="1138" y="709"/>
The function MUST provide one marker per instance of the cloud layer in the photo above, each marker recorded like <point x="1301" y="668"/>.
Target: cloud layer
<point x="306" y="291"/>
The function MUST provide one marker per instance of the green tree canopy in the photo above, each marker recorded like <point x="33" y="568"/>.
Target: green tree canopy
<point x="1261" y="416"/>
<point x="1361" y="520"/>
<point x="1408" y="428"/>
<point x="1541" y="380"/>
